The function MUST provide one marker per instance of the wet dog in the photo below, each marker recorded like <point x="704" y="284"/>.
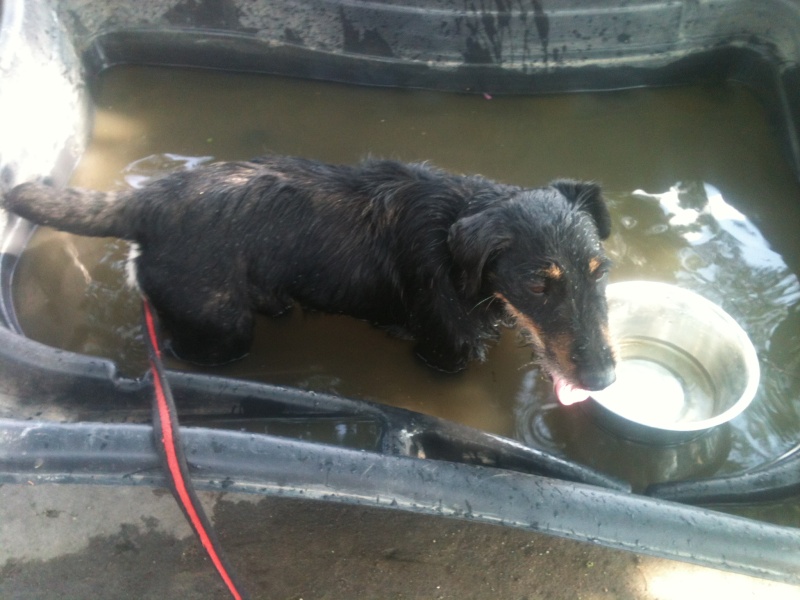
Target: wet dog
<point x="445" y="259"/>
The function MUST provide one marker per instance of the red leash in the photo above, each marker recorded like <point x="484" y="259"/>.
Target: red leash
<point x="166" y="435"/>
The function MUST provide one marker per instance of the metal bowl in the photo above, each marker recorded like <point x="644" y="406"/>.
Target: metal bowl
<point x="684" y="366"/>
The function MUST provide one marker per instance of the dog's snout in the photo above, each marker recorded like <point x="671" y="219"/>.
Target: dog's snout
<point x="594" y="366"/>
<point x="598" y="379"/>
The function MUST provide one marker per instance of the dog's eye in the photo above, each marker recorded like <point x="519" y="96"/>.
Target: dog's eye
<point x="538" y="287"/>
<point x="598" y="268"/>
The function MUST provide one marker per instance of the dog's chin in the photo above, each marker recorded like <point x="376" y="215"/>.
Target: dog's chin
<point x="567" y="393"/>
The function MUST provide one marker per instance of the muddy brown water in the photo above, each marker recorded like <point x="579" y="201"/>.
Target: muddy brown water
<point x="699" y="194"/>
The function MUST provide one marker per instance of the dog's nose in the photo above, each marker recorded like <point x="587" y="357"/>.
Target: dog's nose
<point x="598" y="379"/>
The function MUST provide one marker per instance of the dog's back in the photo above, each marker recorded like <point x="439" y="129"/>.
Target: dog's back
<point x="375" y="189"/>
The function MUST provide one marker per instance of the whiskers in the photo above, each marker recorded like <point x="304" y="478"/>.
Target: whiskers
<point x="487" y="301"/>
<point x="534" y="363"/>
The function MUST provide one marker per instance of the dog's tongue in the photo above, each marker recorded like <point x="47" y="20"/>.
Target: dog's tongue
<point x="567" y="393"/>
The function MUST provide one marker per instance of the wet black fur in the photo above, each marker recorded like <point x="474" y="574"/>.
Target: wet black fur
<point x="443" y="258"/>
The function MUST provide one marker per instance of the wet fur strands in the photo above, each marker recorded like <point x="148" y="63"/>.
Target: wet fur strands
<point x="446" y="259"/>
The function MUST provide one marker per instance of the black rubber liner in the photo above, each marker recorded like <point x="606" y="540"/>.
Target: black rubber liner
<point x="71" y="418"/>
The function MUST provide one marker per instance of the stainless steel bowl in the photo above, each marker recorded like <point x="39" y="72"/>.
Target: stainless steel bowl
<point x="684" y="365"/>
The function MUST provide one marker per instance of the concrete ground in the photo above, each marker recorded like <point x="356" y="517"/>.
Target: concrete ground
<point x="71" y="541"/>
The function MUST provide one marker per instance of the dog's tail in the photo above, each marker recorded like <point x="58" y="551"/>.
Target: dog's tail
<point x="83" y="212"/>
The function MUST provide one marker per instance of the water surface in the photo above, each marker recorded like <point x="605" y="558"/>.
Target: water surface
<point x="699" y="195"/>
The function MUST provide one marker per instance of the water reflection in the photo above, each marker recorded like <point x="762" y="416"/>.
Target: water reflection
<point x="727" y="259"/>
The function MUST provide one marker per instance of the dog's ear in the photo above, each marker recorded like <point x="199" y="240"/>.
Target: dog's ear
<point x="473" y="240"/>
<point x="588" y="197"/>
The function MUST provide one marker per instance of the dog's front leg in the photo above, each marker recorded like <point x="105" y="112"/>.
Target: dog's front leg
<point x="447" y="337"/>
<point x="440" y="356"/>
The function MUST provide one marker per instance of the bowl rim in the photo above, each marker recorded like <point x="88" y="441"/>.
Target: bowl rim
<point x="664" y="290"/>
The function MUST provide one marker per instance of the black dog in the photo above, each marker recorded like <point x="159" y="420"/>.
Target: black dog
<point x="446" y="259"/>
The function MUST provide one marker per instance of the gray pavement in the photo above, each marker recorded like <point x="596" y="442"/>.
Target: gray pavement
<point x="81" y="541"/>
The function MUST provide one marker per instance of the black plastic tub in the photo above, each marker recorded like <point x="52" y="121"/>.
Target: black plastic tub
<point x="72" y="418"/>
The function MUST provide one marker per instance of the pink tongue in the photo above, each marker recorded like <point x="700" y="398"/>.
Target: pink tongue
<point x="567" y="393"/>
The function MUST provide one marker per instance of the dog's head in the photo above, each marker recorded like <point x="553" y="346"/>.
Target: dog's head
<point x="540" y="254"/>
